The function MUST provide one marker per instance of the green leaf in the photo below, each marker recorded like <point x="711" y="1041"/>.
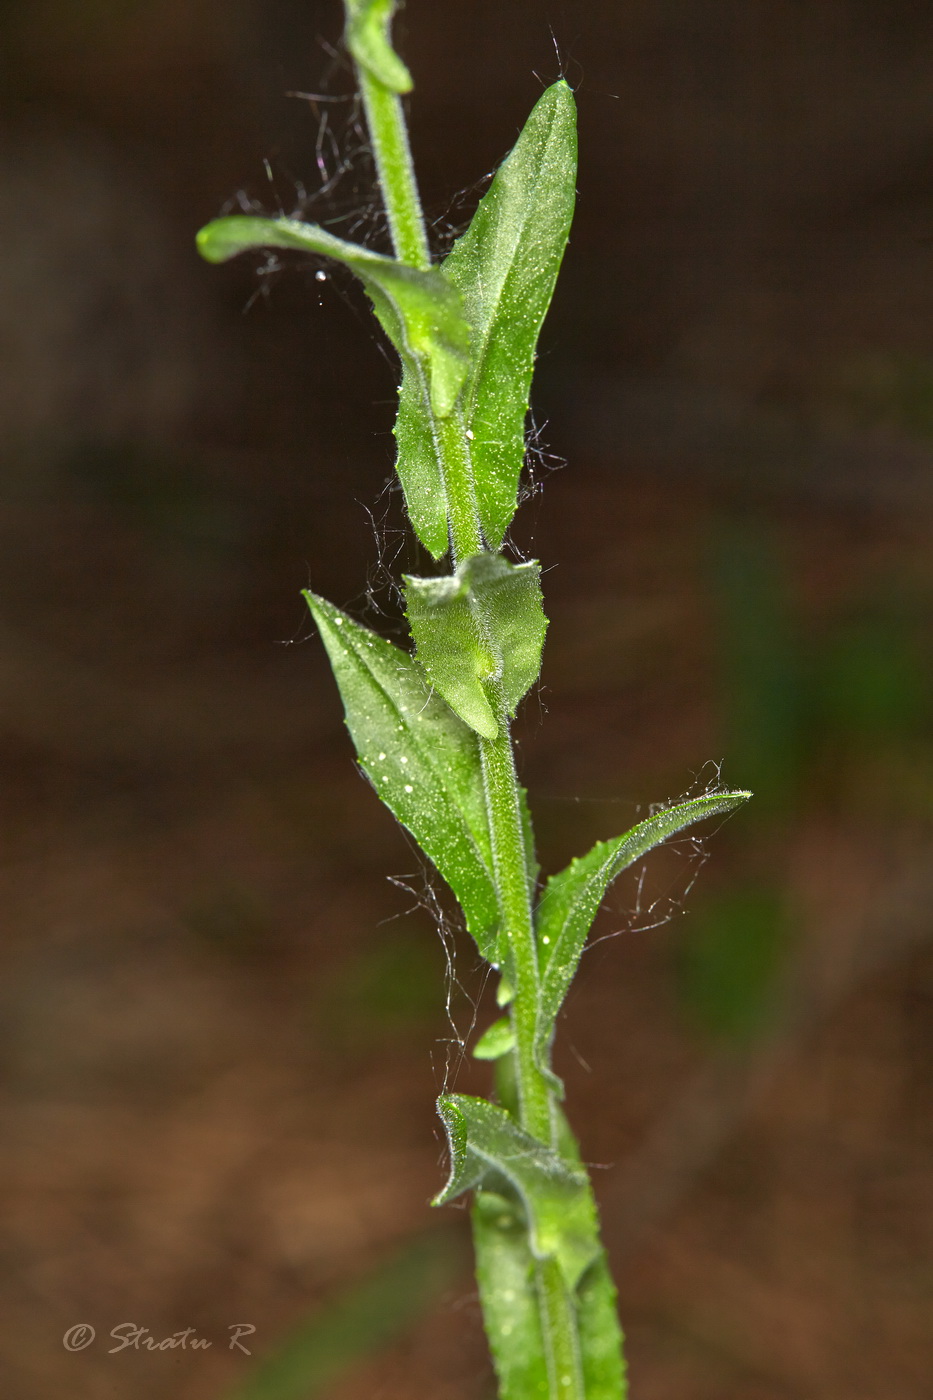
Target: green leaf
<point x="418" y="464"/>
<point x="505" y="992"/>
<point x="479" y="631"/>
<point x="421" y="759"/>
<point x="571" y="899"/>
<point x="457" y="658"/>
<point x="367" y="38"/>
<point x="419" y="311"/>
<point x="529" y="834"/>
<point x="731" y="962"/>
<point x="495" y="1042"/>
<point x="600" y="1334"/>
<point x="505" y="265"/>
<point x="505" y="1272"/>
<point x="488" y="1149"/>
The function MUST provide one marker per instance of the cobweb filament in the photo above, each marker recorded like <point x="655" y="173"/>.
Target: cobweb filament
<point x="645" y="917"/>
<point x="425" y="897"/>
<point x="391" y="542"/>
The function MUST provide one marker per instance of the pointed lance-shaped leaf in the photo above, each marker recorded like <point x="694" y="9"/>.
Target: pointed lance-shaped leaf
<point x="572" y="898"/>
<point x="367" y="38"/>
<point x="479" y="634"/>
<point x="420" y="311"/>
<point x="488" y="1149"/>
<point x="508" y="1288"/>
<point x="600" y="1334"/>
<point x="505" y="1272"/>
<point x="505" y="266"/>
<point x="418" y="462"/>
<point x="421" y="759"/>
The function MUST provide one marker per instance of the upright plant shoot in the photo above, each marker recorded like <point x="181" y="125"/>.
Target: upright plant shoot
<point x="432" y="726"/>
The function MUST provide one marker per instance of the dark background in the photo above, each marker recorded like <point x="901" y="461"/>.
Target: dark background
<point x="223" y="1030"/>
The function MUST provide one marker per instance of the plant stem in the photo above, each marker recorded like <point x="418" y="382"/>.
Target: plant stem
<point x="453" y="450"/>
<point x="555" y="1303"/>
<point x="560" y="1331"/>
<point x="511" y="873"/>
<point x="396" y="173"/>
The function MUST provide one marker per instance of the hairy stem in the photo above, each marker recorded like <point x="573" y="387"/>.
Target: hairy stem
<point x="560" y="1331"/>
<point x="554" y="1301"/>
<point x="389" y="134"/>
<point x="388" y="131"/>
<point x="453" y="450"/>
<point x="511" y="872"/>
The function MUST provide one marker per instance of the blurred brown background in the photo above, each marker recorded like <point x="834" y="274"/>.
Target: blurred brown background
<point x="223" y="1030"/>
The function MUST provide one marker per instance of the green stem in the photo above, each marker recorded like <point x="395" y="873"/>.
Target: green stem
<point x="511" y="872"/>
<point x="555" y="1303"/>
<point x="560" y="1331"/>
<point x="453" y="451"/>
<point x="389" y="134"/>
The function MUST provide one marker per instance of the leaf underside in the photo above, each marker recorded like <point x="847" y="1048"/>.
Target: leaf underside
<point x="488" y="1149"/>
<point x="367" y="37"/>
<point x="600" y="1334"/>
<point x="479" y="634"/>
<point x="420" y="311"/>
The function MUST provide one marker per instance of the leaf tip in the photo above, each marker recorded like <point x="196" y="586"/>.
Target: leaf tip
<point x="496" y="1041"/>
<point x="455" y="1127"/>
<point x="734" y="797"/>
<point x="209" y="244"/>
<point x="367" y="38"/>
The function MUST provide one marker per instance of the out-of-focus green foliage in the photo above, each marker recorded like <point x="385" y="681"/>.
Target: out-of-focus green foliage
<point x="382" y="991"/>
<point x="729" y="962"/>
<point x="364" y="1318"/>
<point x="760" y="666"/>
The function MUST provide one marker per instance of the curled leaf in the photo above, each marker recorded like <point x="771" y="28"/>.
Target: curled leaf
<point x="479" y="634"/>
<point x="419" y="311"/>
<point x="367" y="37"/>
<point x="489" y="1149"/>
